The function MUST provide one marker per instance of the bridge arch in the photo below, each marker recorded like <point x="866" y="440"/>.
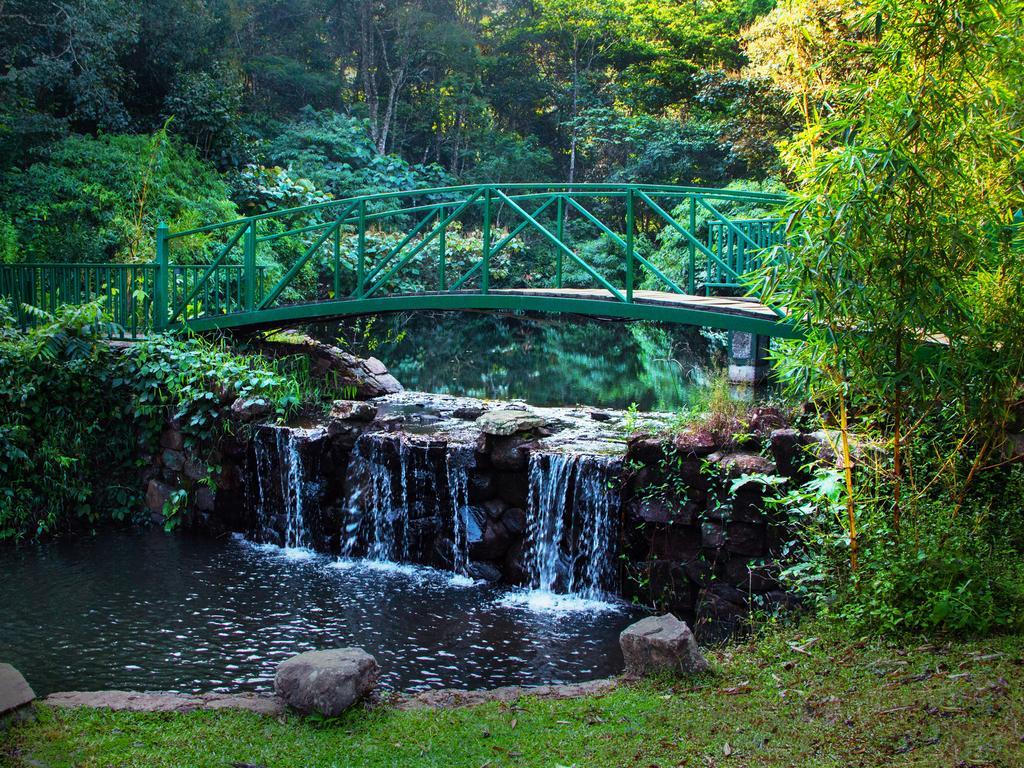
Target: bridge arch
<point x="487" y="247"/>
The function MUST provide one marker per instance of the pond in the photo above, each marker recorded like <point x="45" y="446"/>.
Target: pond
<point x="544" y="360"/>
<point x="153" y="611"/>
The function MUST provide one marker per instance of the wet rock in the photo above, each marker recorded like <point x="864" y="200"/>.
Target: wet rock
<point x="481" y="487"/>
<point x="15" y="694"/>
<point x="205" y="499"/>
<point x="328" y="681"/>
<point x="484" y="571"/>
<point x="646" y="449"/>
<point x="513" y="488"/>
<point x="694" y="443"/>
<point x="653" y="510"/>
<point x="712" y="535"/>
<point x="515" y="570"/>
<point x="765" y="418"/>
<point x="505" y="422"/>
<point x="676" y="542"/>
<point x="172" y="438"/>
<point x="745" y="539"/>
<point x="699" y="570"/>
<point x="661" y="644"/>
<point x="353" y="410"/>
<point x="510" y="454"/>
<point x="173" y="460"/>
<point x="787" y="446"/>
<point x="493" y="544"/>
<point x="194" y="468"/>
<point x="469" y="412"/>
<point x="600" y="416"/>
<point x="514" y="521"/>
<point x="751" y="576"/>
<point x="157" y="494"/>
<point x="495" y="508"/>
<point x="742" y="463"/>
<point x="722" y="605"/>
<point x="248" y="409"/>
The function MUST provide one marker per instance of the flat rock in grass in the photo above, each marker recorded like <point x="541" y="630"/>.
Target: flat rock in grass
<point x="505" y="422"/>
<point x="328" y="681"/>
<point x="15" y="692"/>
<point x="137" y="701"/>
<point x="661" y="644"/>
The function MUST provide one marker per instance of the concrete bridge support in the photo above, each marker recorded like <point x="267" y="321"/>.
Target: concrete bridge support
<point x="748" y="357"/>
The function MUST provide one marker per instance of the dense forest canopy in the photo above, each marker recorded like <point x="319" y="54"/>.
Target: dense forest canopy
<point x="286" y="100"/>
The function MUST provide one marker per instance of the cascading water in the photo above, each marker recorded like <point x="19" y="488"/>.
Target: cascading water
<point x="377" y="503"/>
<point x="281" y="486"/>
<point x="573" y="511"/>
<point x="458" y="461"/>
<point x="402" y="498"/>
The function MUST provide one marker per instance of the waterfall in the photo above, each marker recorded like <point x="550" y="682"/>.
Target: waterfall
<point x="280" y="487"/>
<point x="573" y="510"/>
<point x="458" y="461"/>
<point x="376" y="508"/>
<point x="403" y="498"/>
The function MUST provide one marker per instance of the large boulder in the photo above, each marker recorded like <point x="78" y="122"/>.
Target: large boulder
<point x="505" y="422"/>
<point x="328" y="681"/>
<point x="365" y="378"/>
<point x="15" y="694"/>
<point x="661" y="644"/>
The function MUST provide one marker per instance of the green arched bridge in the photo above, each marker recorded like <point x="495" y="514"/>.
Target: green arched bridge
<point x="484" y="247"/>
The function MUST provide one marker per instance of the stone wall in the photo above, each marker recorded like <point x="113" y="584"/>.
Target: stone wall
<point x="693" y="544"/>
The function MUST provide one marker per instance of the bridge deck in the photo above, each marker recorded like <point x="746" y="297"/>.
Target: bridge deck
<point x="726" y="312"/>
<point x="729" y="305"/>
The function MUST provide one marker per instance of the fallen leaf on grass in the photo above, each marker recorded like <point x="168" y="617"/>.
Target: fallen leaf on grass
<point x="727" y="749"/>
<point x="744" y="687"/>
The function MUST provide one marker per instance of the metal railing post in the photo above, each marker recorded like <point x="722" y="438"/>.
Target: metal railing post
<point x="160" y="279"/>
<point x="336" y="256"/>
<point x="249" y="265"/>
<point x="442" y="244"/>
<point x="485" y="275"/>
<point x="361" y="250"/>
<point x="629" y="245"/>
<point x="691" y="283"/>
<point x="560" y="234"/>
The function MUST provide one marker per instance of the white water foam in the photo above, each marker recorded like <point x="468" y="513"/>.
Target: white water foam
<point x="544" y="602"/>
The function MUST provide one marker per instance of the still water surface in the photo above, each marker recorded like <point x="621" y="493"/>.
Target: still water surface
<point x="545" y="360"/>
<point x="152" y="611"/>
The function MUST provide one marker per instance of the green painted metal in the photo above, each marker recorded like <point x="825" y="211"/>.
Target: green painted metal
<point x="524" y="243"/>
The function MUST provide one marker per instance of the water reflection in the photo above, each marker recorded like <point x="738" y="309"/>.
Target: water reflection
<point x="150" y="611"/>
<point x="547" y="361"/>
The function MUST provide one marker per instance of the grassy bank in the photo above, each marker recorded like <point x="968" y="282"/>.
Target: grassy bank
<point x="795" y="698"/>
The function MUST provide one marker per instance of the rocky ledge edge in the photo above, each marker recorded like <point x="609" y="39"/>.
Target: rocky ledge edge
<point x="271" y="705"/>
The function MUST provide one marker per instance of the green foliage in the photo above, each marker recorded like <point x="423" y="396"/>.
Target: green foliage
<point x="335" y="151"/>
<point x="205" y="107"/>
<point x="906" y="266"/>
<point x="65" y="444"/>
<point x="961" y="577"/>
<point x="96" y="199"/>
<point x="73" y="409"/>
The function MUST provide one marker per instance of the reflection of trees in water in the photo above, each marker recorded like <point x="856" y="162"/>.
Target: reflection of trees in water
<point x="544" y="360"/>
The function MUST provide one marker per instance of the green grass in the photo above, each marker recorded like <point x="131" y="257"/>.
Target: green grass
<point x="829" y="702"/>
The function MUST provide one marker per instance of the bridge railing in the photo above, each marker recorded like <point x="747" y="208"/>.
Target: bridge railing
<point x="478" y="238"/>
<point x="126" y="289"/>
